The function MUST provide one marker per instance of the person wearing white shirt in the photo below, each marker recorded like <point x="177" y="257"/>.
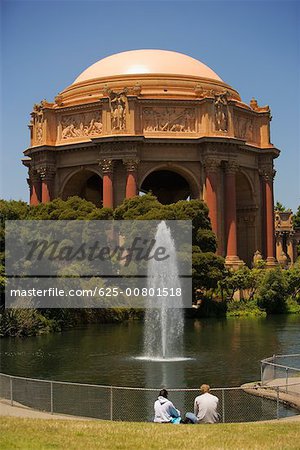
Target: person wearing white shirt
<point x="206" y="405"/>
<point x="164" y="410"/>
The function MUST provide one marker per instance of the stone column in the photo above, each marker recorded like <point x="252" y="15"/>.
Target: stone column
<point x="131" y="181"/>
<point x="290" y="246"/>
<point x="107" y="172"/>
<point x="35" y="187"/>
<point x="279" y="244"/>
<point x="47" y="176"/>
<point x="211" y="185"/>
<point x="268" y="176"/>
<point x="232" y="258"/>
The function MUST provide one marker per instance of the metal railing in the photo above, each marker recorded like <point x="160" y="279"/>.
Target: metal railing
<point x="131" y="403"/>
<point x="283" y="371"/>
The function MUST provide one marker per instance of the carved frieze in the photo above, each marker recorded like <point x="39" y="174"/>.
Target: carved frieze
<point x="221" y="111"/>
<point x="244" y="127"/>
<point x="81" y="125"/>
<point x="169" y="119"/>
<point x="202" y="93"/>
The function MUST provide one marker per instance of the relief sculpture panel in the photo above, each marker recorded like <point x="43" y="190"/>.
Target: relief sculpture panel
<point x="244" y="128"/>
<point x="81" y="125"/>
<point x="169" y="119"/>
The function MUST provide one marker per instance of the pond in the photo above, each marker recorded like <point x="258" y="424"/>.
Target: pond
<point x="222" y="352"/>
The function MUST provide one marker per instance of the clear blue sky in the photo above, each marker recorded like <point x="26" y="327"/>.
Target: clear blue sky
<point x="253" y="46"/>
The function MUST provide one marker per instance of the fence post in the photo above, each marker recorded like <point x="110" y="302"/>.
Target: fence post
<point x="277" y="403"/>
<point x="286" y="379"/>
<point x="223" y="406"/>
<point x="11" y="391"/>
<point x="51" y="397"/>
<point x="111" y="403"/>
<point x="261" y="373"/>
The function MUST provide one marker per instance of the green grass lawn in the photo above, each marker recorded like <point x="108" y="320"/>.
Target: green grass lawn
<point x="34" y="434"/>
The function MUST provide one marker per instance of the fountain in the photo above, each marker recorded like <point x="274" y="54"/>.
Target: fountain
<point x="164" y="320"/>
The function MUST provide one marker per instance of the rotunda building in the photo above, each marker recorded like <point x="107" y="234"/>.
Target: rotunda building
<point x="159" y="121"/>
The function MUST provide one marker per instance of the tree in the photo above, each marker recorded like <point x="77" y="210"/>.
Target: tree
<point x="296" y="220"/>
<point x="74" y="208"/>
<point x="208" y="270"/>
<point x="280" y="207"/>
<point x="272" y="292"/>
<point x="292" y="276"/>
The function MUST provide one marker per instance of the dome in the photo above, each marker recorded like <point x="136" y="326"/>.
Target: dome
<point x="143" y="62"/>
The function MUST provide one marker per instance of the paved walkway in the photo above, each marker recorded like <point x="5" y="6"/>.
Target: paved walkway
<point x="292" y="384"/>
<point x="289" y="393"/>
<point x="19" y="410"/>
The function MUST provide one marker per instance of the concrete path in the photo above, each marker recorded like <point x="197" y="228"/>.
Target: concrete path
<point x="288" y="393"/>
<point x="292" y="384"/>
<point x="19" y="410"/>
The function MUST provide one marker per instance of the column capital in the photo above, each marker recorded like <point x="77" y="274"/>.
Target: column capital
<point x="131" y="164"/>
<point x="231" y="166"/>
<point x="33" y="175"/>
<point x="106" y="165"/>
<point x="267" y="173"/>
<point x="46" y="172"/>
<point x="211" y="164"/>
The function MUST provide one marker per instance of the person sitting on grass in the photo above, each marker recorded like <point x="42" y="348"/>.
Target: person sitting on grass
<point x="205" y="406"/>
<point x="164" y="410"/>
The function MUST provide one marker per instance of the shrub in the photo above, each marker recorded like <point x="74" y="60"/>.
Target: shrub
<point x="272" y="292"/>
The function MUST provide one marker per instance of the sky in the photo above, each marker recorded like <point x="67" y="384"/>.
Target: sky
<point x="253" y="46"/>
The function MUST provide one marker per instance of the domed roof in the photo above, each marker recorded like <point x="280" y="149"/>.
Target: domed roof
<point x="143" y="62"/>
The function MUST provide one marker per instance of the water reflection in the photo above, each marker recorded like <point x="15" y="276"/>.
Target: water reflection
<point x="224" y="352"/>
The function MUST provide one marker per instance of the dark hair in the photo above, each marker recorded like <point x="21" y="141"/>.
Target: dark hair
<point x="163" y="393"/>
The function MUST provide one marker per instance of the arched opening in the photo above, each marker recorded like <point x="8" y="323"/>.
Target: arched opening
<point x="85" y="184"/>
<point x="246" y="219"/>
<point x="167" y="186"/>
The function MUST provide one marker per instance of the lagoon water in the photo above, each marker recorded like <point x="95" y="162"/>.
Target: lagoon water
<point x="221" y="352"/>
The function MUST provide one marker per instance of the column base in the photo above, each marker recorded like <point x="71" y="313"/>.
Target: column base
<point x="233" y="262"/>
<point x="271" y="262"/>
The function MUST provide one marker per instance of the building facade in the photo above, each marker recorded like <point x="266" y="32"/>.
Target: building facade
<point x="160" y="121"/>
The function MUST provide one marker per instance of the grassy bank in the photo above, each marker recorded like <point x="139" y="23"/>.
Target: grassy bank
<point x="36" y="434"/>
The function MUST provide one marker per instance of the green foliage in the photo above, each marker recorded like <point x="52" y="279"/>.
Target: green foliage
<point x="244" y="308"/>
<point x="296" y="219"/>
<point x="280" y="207"/>
<point x="206" y="240"/>
<point x="272" y="292"/>
<point x="137" y="207"/>
<point x="241" y="279"/>
<point x="74" y="208"/>
<point x="208" y="270"/>
<point x="292" y="276"/>
<point x="24" y="322"/>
